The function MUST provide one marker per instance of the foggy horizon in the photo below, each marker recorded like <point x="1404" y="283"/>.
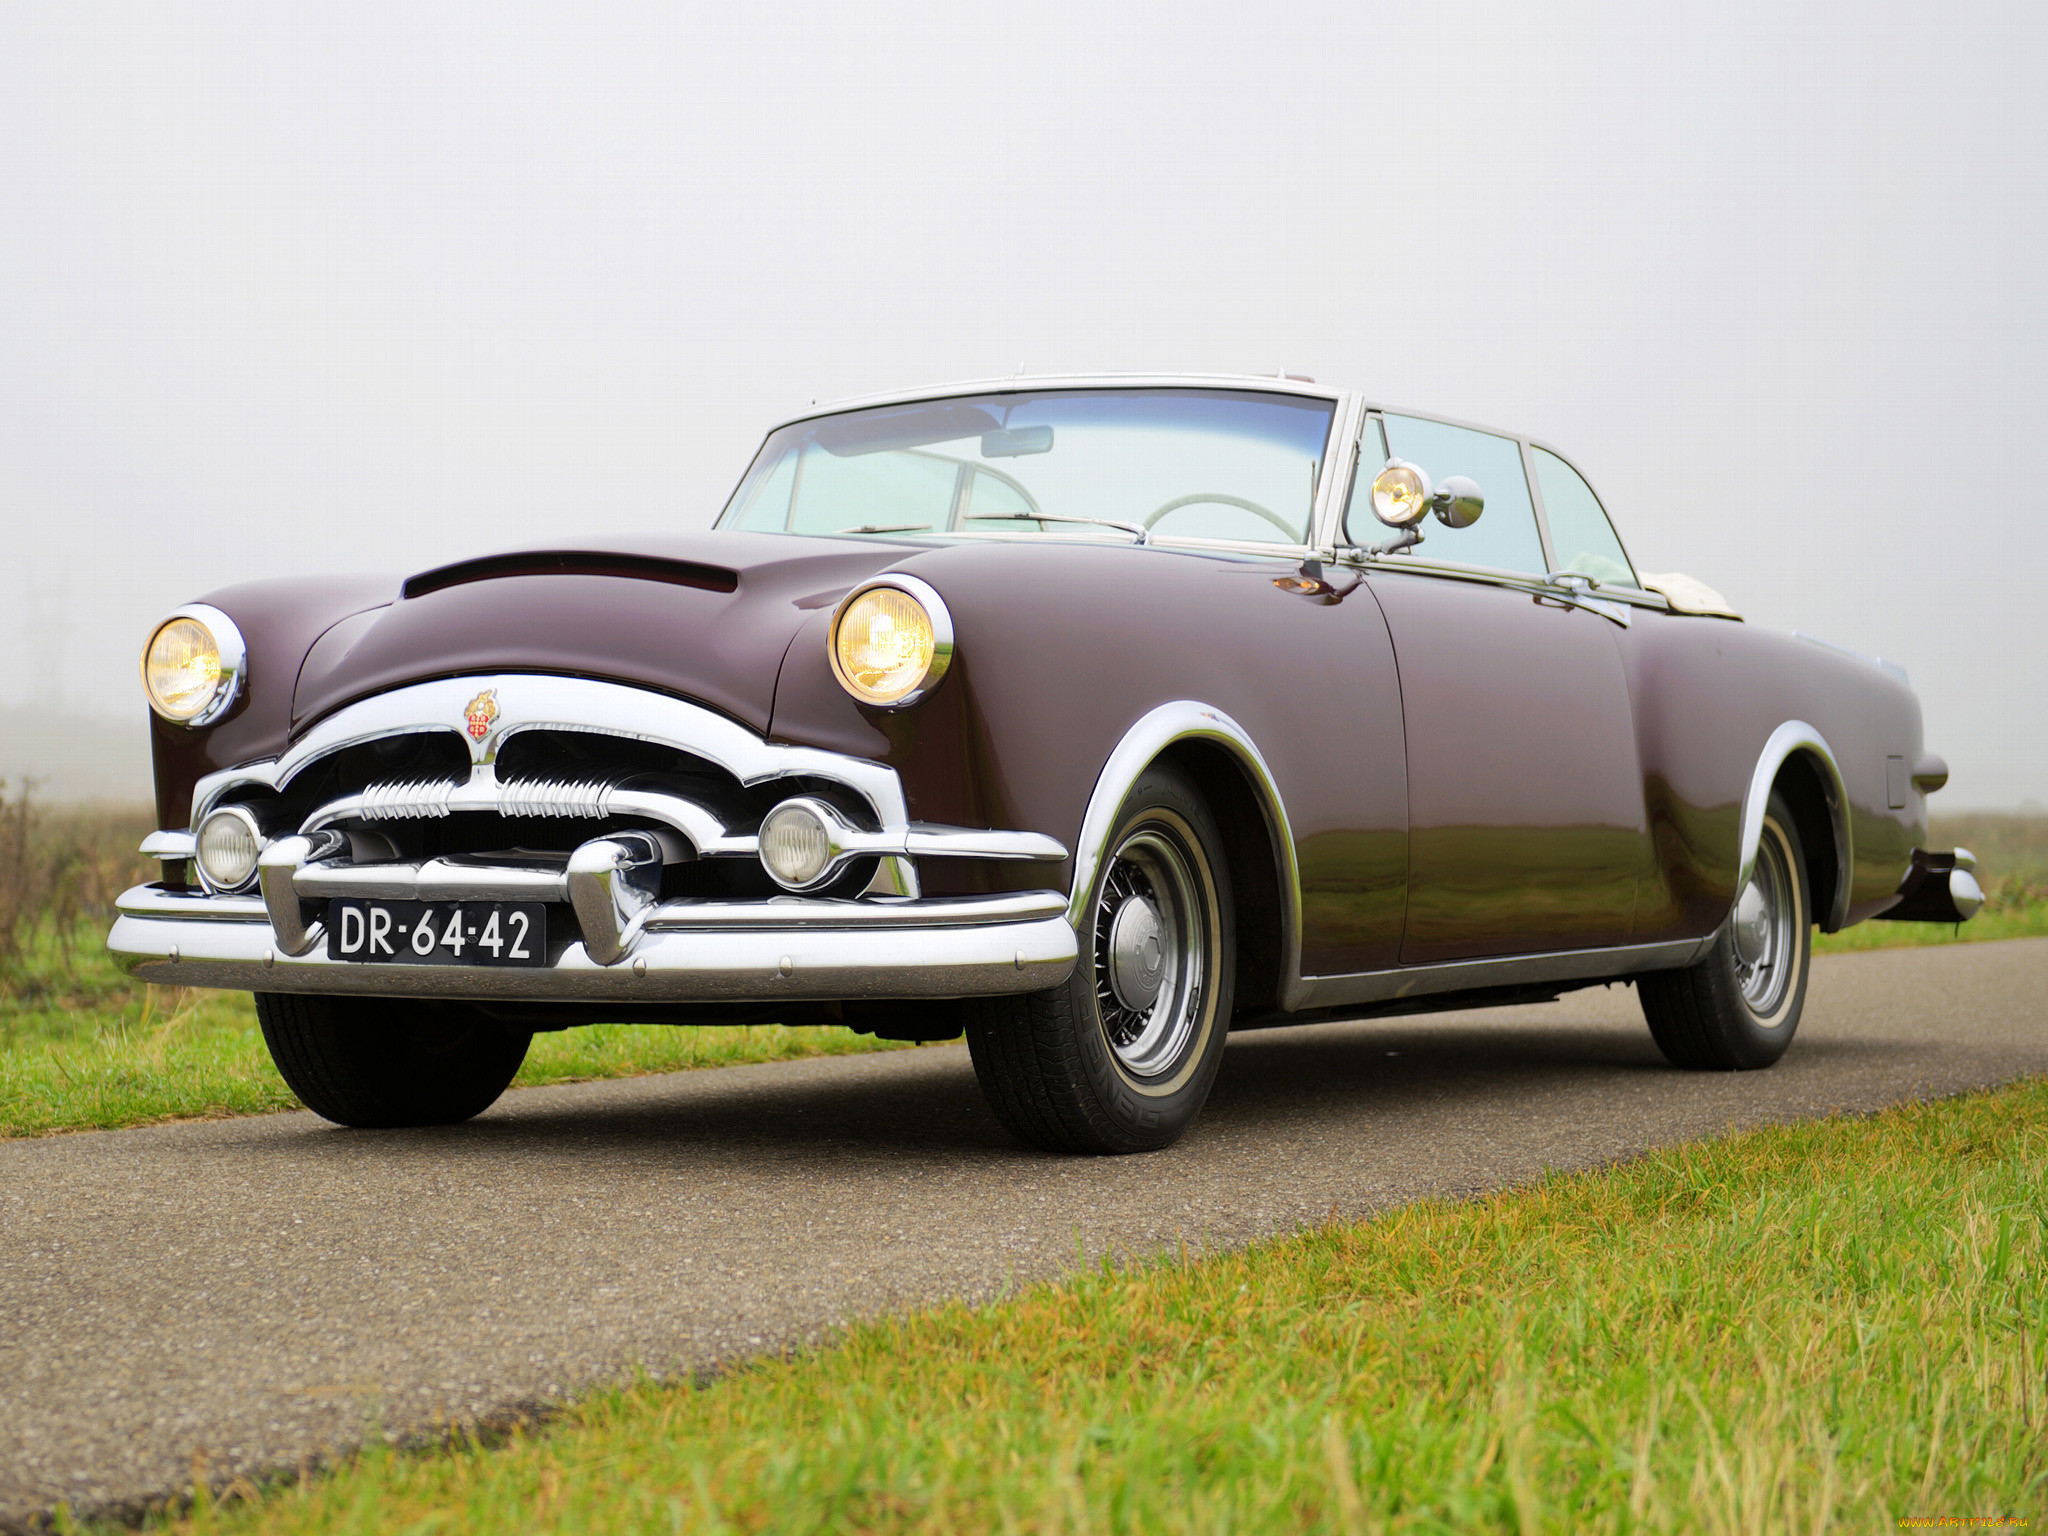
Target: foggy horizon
<point x="287" y="292"/>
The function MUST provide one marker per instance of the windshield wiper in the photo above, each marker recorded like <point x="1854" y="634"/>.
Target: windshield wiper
<point x="1140" y="533"/>
<point x="884" y="528"/>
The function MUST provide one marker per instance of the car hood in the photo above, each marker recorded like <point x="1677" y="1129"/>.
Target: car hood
<point x="707" y="617"/>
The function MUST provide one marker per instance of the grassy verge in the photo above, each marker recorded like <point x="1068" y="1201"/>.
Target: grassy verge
<point x="1832" y="1325"/>
<point x="104" y="1055"/>
<point x="80" y="1047"/>
<point x="185" y="1054"/>
<point x="2013" y="909"/>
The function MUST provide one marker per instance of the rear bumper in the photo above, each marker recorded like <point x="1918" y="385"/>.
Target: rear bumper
<point x="1937" y="888"/>
<point x="678" y="952"/>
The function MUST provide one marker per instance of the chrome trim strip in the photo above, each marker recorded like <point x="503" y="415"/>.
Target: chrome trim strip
<point x="1503" y="971"/>
<point x="1797" y="736"/>
<point x="169" y="845"/>
<point x="926" y="840"/>
<point x="190" y="906"/>
<point x="456" y="879"/>
<point x="784" y="912"/>
<point x="705" y="965"/>
<point x="1185" y="720"/>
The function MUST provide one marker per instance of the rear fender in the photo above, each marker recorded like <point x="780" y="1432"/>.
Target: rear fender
<point x="1795" y="738"/>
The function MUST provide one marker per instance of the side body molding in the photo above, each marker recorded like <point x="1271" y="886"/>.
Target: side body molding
<point x="1188" y="720"/>
<point x="1796" y="736"/>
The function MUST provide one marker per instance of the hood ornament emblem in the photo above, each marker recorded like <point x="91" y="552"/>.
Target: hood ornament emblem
<point x="481" y="712"/>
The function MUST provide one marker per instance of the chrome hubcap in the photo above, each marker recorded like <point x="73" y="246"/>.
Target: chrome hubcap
<point x="1766" y="945"/>
<point x="1137" y="954"/>
<point x="1149" y="970"/>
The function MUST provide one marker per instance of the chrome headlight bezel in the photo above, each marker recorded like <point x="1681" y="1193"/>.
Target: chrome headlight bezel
<point x="228" y="681"/>
<point x="936" y="613"/>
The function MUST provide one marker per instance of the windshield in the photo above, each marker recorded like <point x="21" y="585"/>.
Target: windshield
<point x="1180" y="463"/>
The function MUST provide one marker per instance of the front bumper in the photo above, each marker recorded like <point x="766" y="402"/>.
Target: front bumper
<point x="790" y="949"/>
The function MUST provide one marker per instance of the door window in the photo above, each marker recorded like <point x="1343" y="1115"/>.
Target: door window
<point x="1505" y="536"/>
<point x="1580" y="535"/>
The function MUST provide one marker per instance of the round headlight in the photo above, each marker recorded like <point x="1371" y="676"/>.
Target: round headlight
<point x="891" y="641"/>
<point x="192" y="665"/>
<point x="795" y="844"/>
<point x="1400" y="495"/>
<point x="229" y="843"/>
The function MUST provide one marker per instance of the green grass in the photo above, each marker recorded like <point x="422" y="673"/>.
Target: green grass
<point x="102" y="1054"/>
<point x="1826" y="1326"/>
<point x="2013" y="909"/>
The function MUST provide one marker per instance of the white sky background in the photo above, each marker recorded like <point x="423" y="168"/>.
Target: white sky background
<point x="293" y="288"/>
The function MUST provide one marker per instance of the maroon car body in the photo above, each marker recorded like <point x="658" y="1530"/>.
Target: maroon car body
<point x="1432" y="782"/>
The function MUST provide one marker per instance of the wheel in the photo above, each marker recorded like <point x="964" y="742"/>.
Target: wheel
<point x="1121" y="1056"/>
<point x="379" y="1061"/>
<point x="1737" y="1006"/>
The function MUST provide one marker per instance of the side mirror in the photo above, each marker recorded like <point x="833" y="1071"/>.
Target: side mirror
<point x="1457" y="502"/>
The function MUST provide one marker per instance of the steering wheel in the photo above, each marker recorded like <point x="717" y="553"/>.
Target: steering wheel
<point x="1293" y="533"/>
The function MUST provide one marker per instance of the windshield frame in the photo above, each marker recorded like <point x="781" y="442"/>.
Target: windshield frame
<point x="1330" y="477"/>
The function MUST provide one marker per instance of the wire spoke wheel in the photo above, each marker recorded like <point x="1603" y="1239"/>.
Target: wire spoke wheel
<point x="1149" y="951"/>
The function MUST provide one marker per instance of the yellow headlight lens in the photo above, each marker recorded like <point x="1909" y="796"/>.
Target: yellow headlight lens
<point x="181" y="669"/>
<point x="884" y="645"/>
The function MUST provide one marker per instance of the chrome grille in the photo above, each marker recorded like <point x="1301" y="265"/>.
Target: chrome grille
<point x="409" y="800"/>
<point x="553" y="797"/>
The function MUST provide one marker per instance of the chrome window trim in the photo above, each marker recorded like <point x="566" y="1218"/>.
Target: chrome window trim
<point x="1031" y="383"/>
<point x="1529" y="447"/>
<point x="234" y="663"/>
<point x="1343" y="403"/>
<point x="1543" y="538"/>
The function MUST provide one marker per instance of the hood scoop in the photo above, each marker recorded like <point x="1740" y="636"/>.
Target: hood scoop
<point x="574" y="562"/>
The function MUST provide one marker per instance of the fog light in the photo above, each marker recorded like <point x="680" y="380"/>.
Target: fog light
<point x="796" y="844"/>
<point x="229" y="843"/>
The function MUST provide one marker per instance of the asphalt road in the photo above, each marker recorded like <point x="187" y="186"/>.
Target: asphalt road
<point x="265" y="1290"/>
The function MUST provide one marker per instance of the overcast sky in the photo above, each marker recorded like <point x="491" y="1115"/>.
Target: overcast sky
<point x="298" y="288"/>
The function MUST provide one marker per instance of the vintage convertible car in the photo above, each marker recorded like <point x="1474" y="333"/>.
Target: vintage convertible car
<point x="1090" y="717"/>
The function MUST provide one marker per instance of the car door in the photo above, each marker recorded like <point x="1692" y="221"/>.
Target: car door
<point x="1526" y="823"/>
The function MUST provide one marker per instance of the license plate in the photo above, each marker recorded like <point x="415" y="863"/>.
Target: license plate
<point x="438" y="932"/>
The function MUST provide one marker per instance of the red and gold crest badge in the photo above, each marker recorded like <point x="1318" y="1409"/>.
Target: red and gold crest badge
<point x="480" y="712"/>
